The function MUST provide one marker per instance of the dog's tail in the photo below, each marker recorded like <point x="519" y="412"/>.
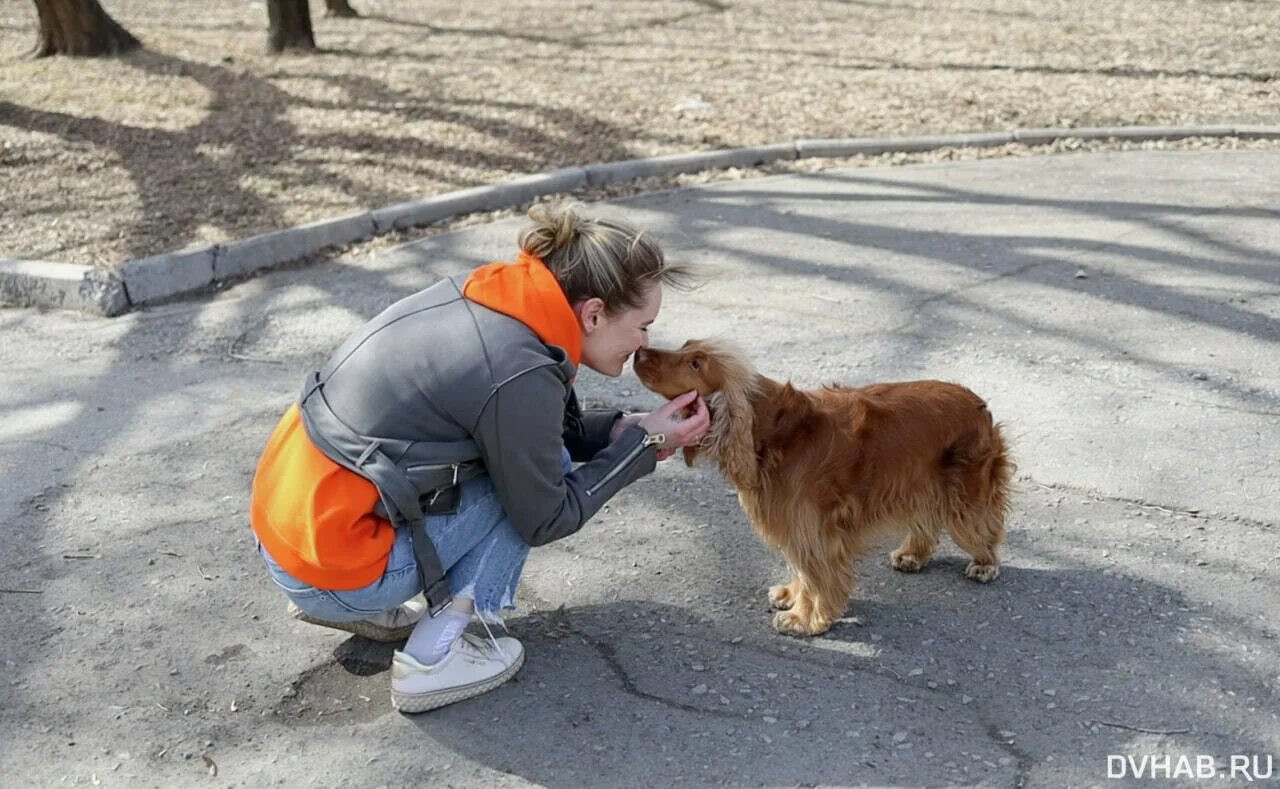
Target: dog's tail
<point x="998" y="469"/>
<point x="980" y="458"/>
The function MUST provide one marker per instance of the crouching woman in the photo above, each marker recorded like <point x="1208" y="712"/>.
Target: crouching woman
<point x="401" y="494"/>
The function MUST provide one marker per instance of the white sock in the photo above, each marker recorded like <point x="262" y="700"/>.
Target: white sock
<point x="433" y="636"/>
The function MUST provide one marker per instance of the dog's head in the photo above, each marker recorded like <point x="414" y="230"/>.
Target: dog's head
<point x="708" y="366"/>
<point x="715" y="369"/>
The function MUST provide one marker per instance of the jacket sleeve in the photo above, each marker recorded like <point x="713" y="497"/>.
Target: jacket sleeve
<point x="520" y="432"/>
<point x="586" y="433"/>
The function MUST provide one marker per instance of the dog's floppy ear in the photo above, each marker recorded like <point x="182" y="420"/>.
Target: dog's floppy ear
<point x="734" y="436"/>
<point x="691" y="453"/>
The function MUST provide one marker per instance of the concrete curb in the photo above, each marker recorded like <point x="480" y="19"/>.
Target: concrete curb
<point x="62" y="285"/>
<point x="164" y="276"/>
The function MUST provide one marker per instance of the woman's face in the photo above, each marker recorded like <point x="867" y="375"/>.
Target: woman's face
<point x="608" y="341"/>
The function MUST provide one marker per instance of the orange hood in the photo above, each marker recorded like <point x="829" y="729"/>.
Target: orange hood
<point x="527" y="291"/>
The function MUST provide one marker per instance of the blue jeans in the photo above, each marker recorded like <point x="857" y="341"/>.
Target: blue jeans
<point x="478" y="547"/>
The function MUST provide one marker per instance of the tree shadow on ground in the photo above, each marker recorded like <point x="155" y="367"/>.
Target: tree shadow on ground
<point x="571" y="38"/>
<point x="642" y="691"/>
<point x="930" y="679"/>
<point x="204" y="164"/>
<point x="595" y="668"/>
<point x="1045" y="260"/>
<point x="193" y="181"/>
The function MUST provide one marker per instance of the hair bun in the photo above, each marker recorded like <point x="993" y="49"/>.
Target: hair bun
<point x="594" y="257"/>
<point x="554" y="227"/>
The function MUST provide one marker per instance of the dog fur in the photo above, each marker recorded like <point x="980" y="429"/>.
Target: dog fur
<point x="822" y="473"/>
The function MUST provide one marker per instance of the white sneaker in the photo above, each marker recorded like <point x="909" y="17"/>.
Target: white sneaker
<point x="473" y="666"/>
<point x="395" y="625"/>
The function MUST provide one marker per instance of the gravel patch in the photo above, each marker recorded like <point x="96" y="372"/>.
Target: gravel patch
<point x="202" y="138"/>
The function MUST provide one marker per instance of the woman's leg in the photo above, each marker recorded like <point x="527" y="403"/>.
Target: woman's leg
<point x="489" y="573"/>
<point x="477" y="545"/>
<point x="483" y="577"/>
<point x="454" y="537"/>
<point x="433" y="636"/>
<point x="484" y="558"/>
<point x="484" y="582"/>
<point x="383" y="611"/>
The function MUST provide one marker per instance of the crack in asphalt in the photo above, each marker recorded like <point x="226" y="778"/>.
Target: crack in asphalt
<point x="915" y="307"/>
<point x="610" y="657"/>
<point x="944" y="295"/>
<point x="233" y="352"/>
<point x="1023" y="761"/>
<point x="809" y="657"/>
<point x="1145" y="393"/>
<point x="1195" y="513"/>
<point x="38" y="442"/>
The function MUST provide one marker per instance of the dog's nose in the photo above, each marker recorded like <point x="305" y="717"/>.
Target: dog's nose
<point x="641" y="355"/>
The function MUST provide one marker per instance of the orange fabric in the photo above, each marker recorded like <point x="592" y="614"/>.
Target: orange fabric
<point x="527" y="291"/>
<point x="315" y="517"/>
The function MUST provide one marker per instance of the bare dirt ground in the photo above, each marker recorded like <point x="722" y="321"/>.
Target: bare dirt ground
<point x="202" y="137"/>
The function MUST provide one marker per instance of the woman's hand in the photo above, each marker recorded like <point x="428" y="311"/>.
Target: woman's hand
<point x="622" y="423"/>
<point x="679" y="430"/>
<point x="634" y="419"/>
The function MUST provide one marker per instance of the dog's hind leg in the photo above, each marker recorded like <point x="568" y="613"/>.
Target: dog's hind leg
<point x="979" y="531"/>
<point x="979" y="500"/>
<point x="916" y="549"/>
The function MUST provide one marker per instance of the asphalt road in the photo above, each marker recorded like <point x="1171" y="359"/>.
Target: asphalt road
<point x="1120" y="312"/>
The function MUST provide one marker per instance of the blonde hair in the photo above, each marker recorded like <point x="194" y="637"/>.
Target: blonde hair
<point x="593" y="257"/>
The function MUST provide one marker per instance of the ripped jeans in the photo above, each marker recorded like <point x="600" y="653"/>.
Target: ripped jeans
<point x="479" y="548"/>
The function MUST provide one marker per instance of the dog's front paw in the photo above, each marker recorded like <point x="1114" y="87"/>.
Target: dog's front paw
<point x="982" y="573"/>
<point x="907" y="562"/>
<point x="793" y="624"/>
<point x="782" y="596"/>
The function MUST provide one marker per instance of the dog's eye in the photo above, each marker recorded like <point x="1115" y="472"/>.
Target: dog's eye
<point x="695" y="363"/>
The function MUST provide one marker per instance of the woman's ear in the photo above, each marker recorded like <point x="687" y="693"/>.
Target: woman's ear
<point x="590" y="312"/>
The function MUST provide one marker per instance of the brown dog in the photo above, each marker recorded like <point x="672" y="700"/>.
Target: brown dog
<point x="821" y="473"/>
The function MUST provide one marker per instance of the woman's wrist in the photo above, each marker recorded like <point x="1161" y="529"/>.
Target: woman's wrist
<point x="621" y="424"/>
<point x="656" y="440"/>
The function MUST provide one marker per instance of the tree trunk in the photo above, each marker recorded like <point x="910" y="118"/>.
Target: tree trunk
<point x="80" y="28"/>
<point x="290" y="26"/>
<point x="339" y="8"/>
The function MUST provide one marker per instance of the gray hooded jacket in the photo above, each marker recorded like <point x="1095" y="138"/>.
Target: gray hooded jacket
<point x="438" y="388"/>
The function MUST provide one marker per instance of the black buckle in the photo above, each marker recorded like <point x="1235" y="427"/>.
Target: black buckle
<point x="436" y="493"/>
<point x="438" y="597"/>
